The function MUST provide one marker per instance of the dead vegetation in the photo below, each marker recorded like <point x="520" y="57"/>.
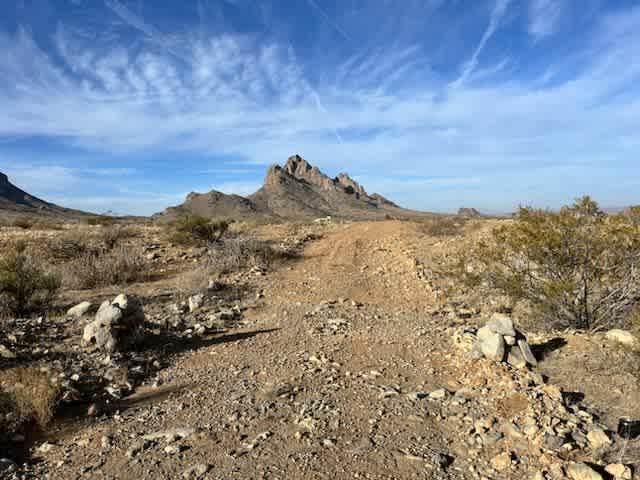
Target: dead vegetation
<point x="90" y="259"/>
<point x="27" y="396"/>
<point x="232" y="254"/>
<point x="25" y="286"/>
<point x="444" y="226"/>
<point x="120" y="265"/>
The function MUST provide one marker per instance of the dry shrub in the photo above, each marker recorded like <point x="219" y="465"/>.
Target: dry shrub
<point x="25" y="286"/>
<point x="445" y="226"/>
<point x="232" y="254"/>
<point x="574" y="268"/>
<point x="26" y="395"/>
<point x="111" y="236"/>
<point x="23" y="223"/>
<point x="103" y="220"/>
<point x="194" y="281"/>
<point x="62" y="249"/>
<point x="120" y="266"/>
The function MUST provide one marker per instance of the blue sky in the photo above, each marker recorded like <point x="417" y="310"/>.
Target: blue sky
<point x="128" y="105"/>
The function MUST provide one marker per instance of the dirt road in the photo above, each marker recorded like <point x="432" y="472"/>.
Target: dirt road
<point x="337" y="374"/>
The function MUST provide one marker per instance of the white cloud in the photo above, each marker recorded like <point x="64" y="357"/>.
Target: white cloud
<point x="543" y="17"/>
<point x="243" y="96"/>
<point x="497" y="14"/>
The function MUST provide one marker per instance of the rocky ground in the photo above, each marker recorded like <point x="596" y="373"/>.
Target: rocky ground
<point x="349" y="361"/>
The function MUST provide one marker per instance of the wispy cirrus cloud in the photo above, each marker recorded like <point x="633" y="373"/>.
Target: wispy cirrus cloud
<point x="385" y="108"/>
<point x="496" y="17"/>
<point x="543" y="17"/>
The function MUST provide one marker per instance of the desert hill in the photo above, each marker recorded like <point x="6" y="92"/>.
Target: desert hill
<point x="295" y="190"/>
<point x="15" y="201"/>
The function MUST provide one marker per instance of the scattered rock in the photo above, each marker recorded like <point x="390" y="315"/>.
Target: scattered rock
<point x="598" y="438"/>
<point x="170" y="435"/>
<point x="498" y="340"/>
<point x="115" y="322"/>
<point x="439" y="394"/>
<point x="7" y="467"/>
<point x="502" y="324"/>
<point x="196" y="472"/>
<point x="491" y="344"/>
<point x="501" y="461"/>
<point x="581" y="471"/>
<point x="623" y="337"/>
<point x="195" y="302"/>
<point x="619" y="471"/>
<point x="515" y="358"/>
<point x="6" y="353"/>
<point x="526" y="352"/>
<point x="79" y="310"/>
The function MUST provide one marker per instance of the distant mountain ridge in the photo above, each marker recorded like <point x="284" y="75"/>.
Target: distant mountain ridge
<point x="15" y="201"/>
<point x="295" y="190"/>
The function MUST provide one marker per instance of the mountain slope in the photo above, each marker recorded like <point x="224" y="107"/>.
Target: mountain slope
<point x="15" y="201"/>
<point x="296" y="190"/>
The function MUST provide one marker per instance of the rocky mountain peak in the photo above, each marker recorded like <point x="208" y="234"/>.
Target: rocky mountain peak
<point x="298" y="166"/>
<point x="350" y="184"/>
<point x="274" y="175"/>
<point x="3" y="179"/>
<point x="296" y="189"/>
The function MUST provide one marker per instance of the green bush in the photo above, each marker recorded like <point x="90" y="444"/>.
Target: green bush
<point x="194" y="230"/>
<point x="575" y="268"/>
<point x="24" y="286"/>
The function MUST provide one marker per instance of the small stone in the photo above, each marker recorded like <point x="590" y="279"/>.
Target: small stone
<point x="6" y="353"/>
<point x="170" y="435"/>
<point x="415" y="396"/>
<point x="197" y="471"/>
<point x="598" y="439"/>
<point x="528" y="355"/>
<point x="195" y="302"/>
<point x="511" y="430"/>
<point x="509" y="340"/>
<point x="537" y="476"/>
<point x="502" y="324"/>
<point x="501" y="461"/>
<point x="441" y="460"/>
<point x="105" y="442"/>
<point x="515" y="358"/>
<point x="491" y="344"/>
<point x="79" y="310"/>
<point x="623" y="337"/>
<point x="46" y="447"/>
<point x="619" y="471"/>
<point x="581" y="471"/>
<point x="94" y="410"/>
<point x="553" y="442"/>
<point x="172" y="449"/>
<point x="439" y="394"/>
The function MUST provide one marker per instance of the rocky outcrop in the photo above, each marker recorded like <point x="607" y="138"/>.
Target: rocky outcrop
<point x="116" y="323"/>
<point x="499" y="341"/>
<point x="469" y="212"/>
<point x="295" y="190"/>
